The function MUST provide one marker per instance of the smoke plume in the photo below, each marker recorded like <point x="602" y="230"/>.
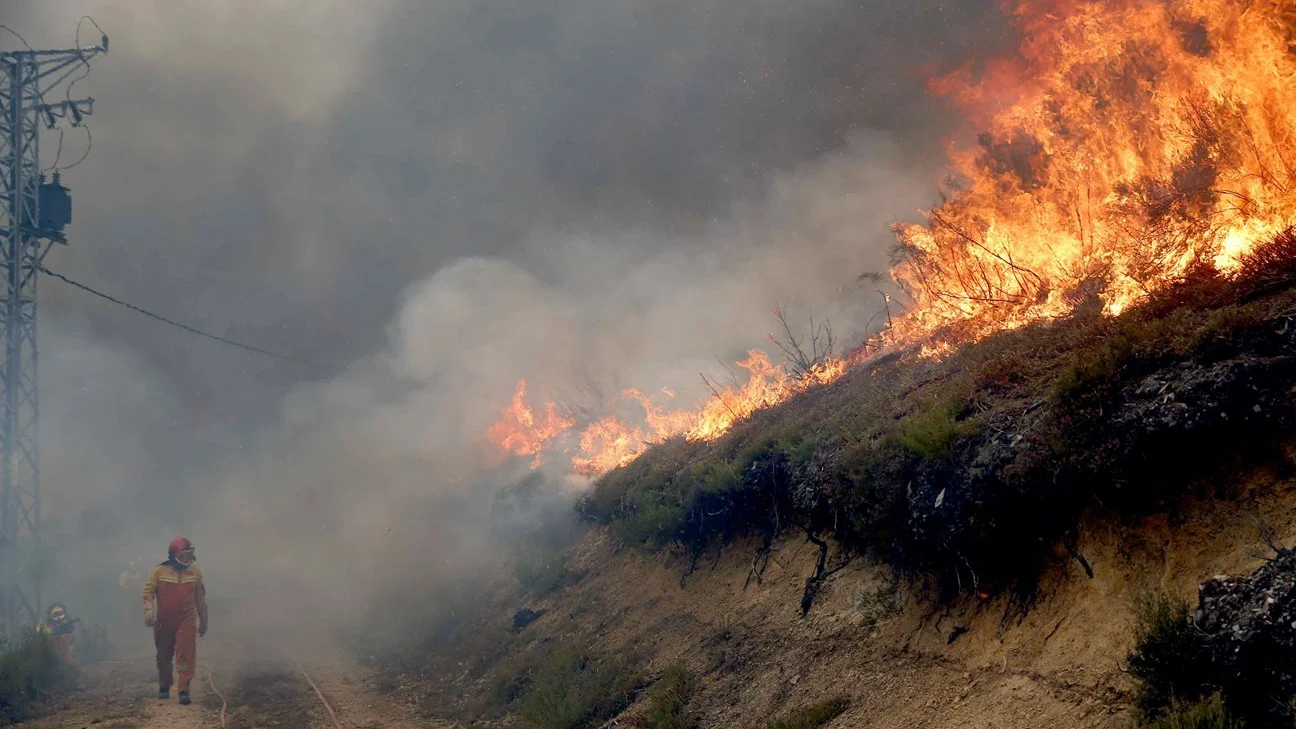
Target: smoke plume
<point x="429" y="201"/>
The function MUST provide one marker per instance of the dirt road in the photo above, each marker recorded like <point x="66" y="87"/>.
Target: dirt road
<point x="237" y="694"/>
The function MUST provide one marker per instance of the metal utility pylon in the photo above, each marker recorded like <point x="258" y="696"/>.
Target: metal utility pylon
<point x="26" y="234"/>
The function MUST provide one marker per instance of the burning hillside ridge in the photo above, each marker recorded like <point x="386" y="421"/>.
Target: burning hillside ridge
<point x="1125" y="145"/>
<point x="610" y="441"/>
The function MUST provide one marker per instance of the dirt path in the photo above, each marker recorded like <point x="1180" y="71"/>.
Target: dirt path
<point x="356" y="704"/>
<point x="123" y="695"/>
<point x="251" y="693"/>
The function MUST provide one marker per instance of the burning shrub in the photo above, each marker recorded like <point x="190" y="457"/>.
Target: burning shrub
<point x="611" y="497"/>
<point x="1123" y="150"/>
<point x="1269" y="266"/>
<point x="1115" y="156"/>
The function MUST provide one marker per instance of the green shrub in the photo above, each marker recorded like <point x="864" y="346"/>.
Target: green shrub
<point x="1207" y="714"/>
<point x="668" y="700"/>
<point x="800" y="446"/>
<point x="651" y="525"/>
<point x="1091" y="368"/>
<point x="541" y="571"/>
<point x="611" y="498"/>
<point x="931" y="432"/>
<point x="1168" y="659"/>
<point x="659" y="517"/>
<point x="813" y="716"/>
<point x="29" y="672"/>
<point x="572" y="691"/>
<point x="509" y="686"/>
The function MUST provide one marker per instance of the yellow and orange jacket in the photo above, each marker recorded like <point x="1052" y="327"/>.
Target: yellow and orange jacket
<point x="63" y="642"/>
<point x="179" y="593"/>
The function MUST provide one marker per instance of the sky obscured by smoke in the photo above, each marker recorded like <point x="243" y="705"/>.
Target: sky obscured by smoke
<point x="429" y="201"/>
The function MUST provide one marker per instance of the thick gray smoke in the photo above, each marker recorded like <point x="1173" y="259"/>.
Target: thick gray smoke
<point x="430" y="201"/>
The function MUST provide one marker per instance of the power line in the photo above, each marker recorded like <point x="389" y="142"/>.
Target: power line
<point x="83" y="19"/>
<point x="89" y="146"/>
<point x="15" y="34"/>
<point x="172" y="322"/>
<point x="58" y="154"/>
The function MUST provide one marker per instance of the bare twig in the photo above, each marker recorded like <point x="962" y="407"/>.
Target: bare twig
<point x="822" y="343"/>
<point x="719" y="397"/>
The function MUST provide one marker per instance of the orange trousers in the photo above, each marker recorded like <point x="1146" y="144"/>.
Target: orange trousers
<point x="178" y="644"/>
<point x="63" y="646"/>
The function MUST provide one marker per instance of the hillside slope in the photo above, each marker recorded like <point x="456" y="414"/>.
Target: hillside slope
<point x="972" y="664"/>
<point x="940" y="544"/>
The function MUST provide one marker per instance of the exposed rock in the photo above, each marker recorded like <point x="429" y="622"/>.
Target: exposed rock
<point x="1249" y="628"/>
<point x="1191" y="395"/>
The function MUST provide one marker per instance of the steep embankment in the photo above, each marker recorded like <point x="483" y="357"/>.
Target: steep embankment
<point x="955" y="543"/>
<point x="899" y="660"/>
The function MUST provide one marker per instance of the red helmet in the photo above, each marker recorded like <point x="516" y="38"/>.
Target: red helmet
<point x="178" y="545"/>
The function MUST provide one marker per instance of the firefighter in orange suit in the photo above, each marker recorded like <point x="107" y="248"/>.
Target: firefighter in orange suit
<point x="60" y="628"/>
<point x="175" y="606"/>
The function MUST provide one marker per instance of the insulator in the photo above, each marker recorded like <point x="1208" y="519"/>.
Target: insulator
<point x="55" y="208"/>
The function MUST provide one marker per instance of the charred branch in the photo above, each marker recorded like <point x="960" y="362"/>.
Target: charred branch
<point x="814" y="583"/>
<point x="821" y="344"/>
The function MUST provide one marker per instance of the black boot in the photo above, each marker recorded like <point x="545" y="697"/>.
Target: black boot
<point x="164" y="693"/>
<point x="184" y="698"/>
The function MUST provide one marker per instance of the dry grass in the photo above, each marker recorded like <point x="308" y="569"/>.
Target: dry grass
<point x="668" y="700"/>
<point x="811" y="717"/>
<point x="1207" y="714"/>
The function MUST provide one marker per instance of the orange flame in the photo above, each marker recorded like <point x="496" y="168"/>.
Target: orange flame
<point x="609" y="442"/>
<point x="767" y="384"/>
<point x="1128" y="142"/>
<point x="518" y="432"/>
